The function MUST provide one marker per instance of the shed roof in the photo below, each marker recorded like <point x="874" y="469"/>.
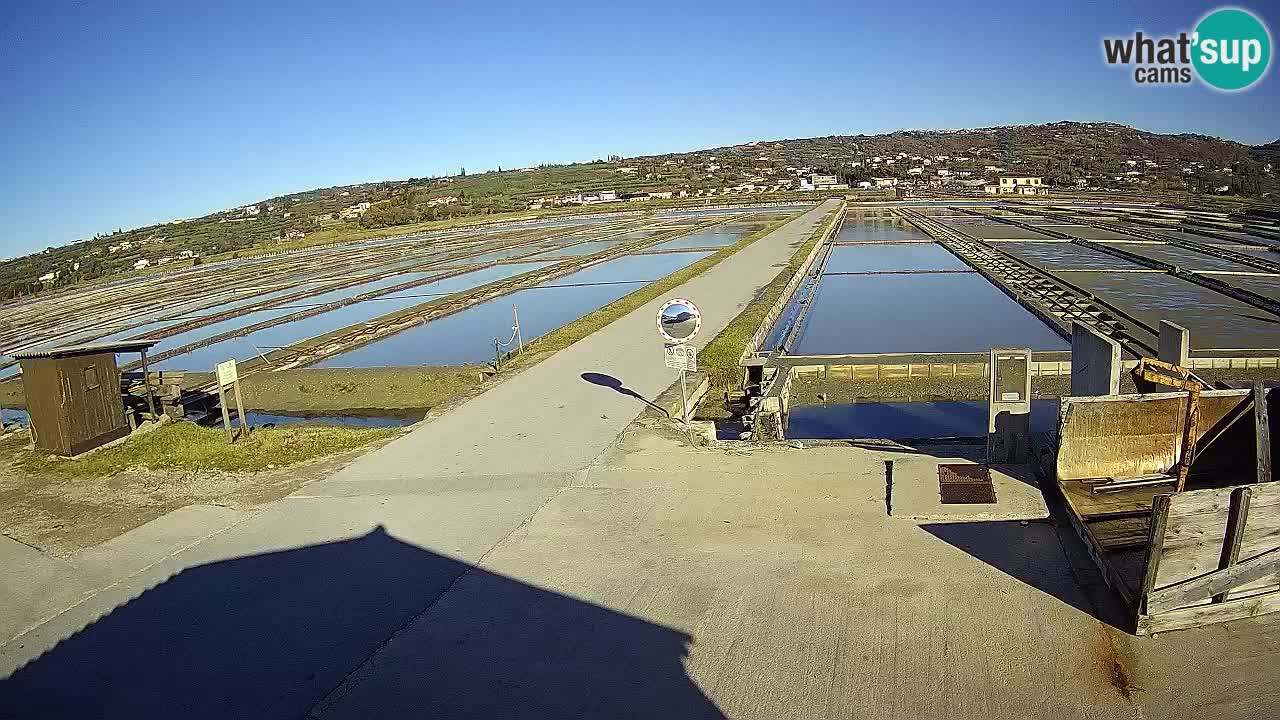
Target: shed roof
<point x="89" y="349"/>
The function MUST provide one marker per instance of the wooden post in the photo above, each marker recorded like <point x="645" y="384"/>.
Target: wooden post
<point x="1262" y="432"/>
<point x="244" y="424"/>
<point x="226" y="418"/>
<point x="1189" y="436"/>
<point x="146" y="380"/>
<point x="1155" y="547"/>
<point x="1237" y="516"/>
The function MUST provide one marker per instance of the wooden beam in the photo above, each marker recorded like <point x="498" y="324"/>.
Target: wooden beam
<point x="1155" y="545"/>
<point x="1199" y="615"/>
<point x="1237" y="516"/>
<point x="1197" y="589"/>
<point x="1262" y="432"/>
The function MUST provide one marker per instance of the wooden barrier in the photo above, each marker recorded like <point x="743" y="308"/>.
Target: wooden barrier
<point x="1214" y="556"/>
<point x="1130" y="435"/>
<point x="1178" y="560"/>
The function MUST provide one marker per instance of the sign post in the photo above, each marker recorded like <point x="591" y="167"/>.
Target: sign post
<point x="679" y="321"/>
<point x="228" y="375"/>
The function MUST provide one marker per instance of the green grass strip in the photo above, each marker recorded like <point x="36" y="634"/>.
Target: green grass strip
<point x="719" y="359"/>
<point x="593" y="321"/>
<point x="187" y="446"/>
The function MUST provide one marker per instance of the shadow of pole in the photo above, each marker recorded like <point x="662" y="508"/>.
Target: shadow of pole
<point x="614" y="384"/>
<point x="273" y="635"/>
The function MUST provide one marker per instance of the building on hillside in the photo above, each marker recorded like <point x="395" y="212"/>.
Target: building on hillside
<point x="1017" y="185"/>
<point x="822" y="182"/>
<point x="882" y="182"/>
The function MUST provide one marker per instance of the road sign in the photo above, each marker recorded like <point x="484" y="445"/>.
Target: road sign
<point x="229" y="376"/>
<point x="679" y="321"/>
<point x="681" y="357"/>
<point x="226" y="372"/>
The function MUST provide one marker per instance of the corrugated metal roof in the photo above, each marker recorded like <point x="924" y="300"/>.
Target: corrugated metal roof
<point x="89" y="349"/>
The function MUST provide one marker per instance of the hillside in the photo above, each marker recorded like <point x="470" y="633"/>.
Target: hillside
<point x="1067" y="154"/>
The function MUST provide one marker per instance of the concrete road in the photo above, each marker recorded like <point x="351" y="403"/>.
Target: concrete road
<point x="522" y="556"/>
<point x="551" y="420"/>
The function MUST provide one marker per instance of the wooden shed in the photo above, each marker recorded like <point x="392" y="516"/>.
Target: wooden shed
<point x="73" y="395"/>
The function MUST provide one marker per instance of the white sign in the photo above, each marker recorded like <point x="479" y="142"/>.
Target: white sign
<point x="679" y="321"/>
<point x="227" y="372"/>
<point x="681" y="357"/>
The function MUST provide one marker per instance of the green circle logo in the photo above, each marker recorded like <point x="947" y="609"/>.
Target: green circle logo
<point x="1232" y="49"/>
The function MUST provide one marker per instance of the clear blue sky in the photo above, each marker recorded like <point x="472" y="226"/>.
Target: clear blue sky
<point x="119" y="114"/>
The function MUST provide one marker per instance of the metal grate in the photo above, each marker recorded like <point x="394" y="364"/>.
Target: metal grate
<point x="965" y="484"/>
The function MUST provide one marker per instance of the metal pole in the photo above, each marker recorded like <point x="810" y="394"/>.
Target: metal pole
<point x="684" y="395"/>
<point x="684" y="409"/>
<point x="515" y="318"/>
<point x="497" y="355"/>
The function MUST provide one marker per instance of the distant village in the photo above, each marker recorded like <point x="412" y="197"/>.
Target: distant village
<point x="902" y="172"/>
<point x="827" y="165"/>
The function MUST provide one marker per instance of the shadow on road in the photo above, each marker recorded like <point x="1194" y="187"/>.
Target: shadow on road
<point x="1032" y="553"/>
<point x="271" y="635"/>
<point x="614" y="384"/>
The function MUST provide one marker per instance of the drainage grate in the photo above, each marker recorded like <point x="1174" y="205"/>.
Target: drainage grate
<point x="965" y="484"/>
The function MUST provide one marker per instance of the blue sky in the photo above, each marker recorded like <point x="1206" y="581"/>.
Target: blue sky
<point x="123" y="114"/>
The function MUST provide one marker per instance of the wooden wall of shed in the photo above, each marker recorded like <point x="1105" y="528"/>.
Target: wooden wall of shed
<point x="1129" y="435"/>
<point x="68" y="415"/>
<point x="44" y="405"/>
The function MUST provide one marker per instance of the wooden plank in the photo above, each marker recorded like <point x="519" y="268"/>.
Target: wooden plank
<point x="1236" y="519"/>
<point x="1197" y="589"/>
<point x="1134" y="501"/>
<point x="1198" y="529"/>
<point x="1130" y="435"/>
<point x="226" y="417"/>
<point x="1120" y="533"/>
<point x="1262" y="432"/>
<point x="1155" y="548"/>
<point x="1110" y="575"/>
<point x="1208" y="614"/>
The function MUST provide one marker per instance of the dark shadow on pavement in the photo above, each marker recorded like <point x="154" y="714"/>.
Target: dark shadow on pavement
<point x="272" y="635"/>
<point x="1033" y="553"/>
<point x="614" y="384"/>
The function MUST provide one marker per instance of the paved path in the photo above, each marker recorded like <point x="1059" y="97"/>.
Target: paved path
<point x="549" y="419"/>
<point x="459" y="484"/>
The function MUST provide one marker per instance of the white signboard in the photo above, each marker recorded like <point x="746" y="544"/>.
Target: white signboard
<point x="227" y="372"/>
<point x="681" y="357"/>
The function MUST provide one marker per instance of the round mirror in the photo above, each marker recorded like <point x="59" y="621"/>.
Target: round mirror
<point x="679" y="321"/>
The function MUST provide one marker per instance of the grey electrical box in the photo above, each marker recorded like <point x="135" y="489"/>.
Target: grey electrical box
<point x="1009" y="407"/>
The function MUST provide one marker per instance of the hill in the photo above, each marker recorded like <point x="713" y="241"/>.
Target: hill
<point x="1067" y="154"/>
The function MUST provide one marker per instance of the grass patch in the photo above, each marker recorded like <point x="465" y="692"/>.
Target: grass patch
<point x="719" y="359"/>
<point x="187" y="446"/>
<point x="596" y="319"/>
